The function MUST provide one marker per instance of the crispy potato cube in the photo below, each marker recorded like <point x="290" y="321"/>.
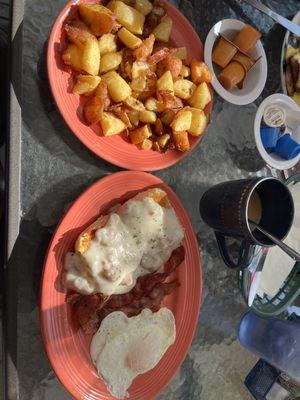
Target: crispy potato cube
<point x="199" y="121"/>
<point x="72" y="56"/>
<point x="138" y="84"/>
<point x="181" y="140"/>
<point x="140" y="134"/>
<point x="134" y="104"/>
<point x="107" y="44"/>
<point x="133" y="116"/>
<point x="143" y="6"/>
<point x="146" y="144"/>
<point x="182" y="121"/>
<point x="153" y="104"/>
<point x="185" y="71"/>
<point x="100" y="18"/>
<point x="86" y="84"/>
<point x="163" y="30"/>
<point x="110" y="61"/>
<point x="181" y="53"/>
<point x="129" y="17"/>
<point x="290" y="52"/>
<point x="165" y="82"/>
<point x="167" y="117"/>
<point x="78" y="33"/>
<point x="139" y="68"/>
<point x="129" y="39"/>
<point x="184" y="88"/>
<point x="93" y="109"/>
<point x="149" y="117"/>
<point x="91" y="57"/>
<point x="201" y="96"/>
<point x="171" y="64"/>
<point x="163" y="140"/>
<point x="200" y="72"/>
<point x="111" y="125"/>
<point x="111" y="5"/>
<point x="118" y="88"/>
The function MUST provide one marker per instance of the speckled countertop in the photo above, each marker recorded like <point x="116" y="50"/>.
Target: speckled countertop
<point x="56" y="168"/>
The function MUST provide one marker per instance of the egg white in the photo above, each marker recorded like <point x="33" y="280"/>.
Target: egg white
<point x="124" y="348"/>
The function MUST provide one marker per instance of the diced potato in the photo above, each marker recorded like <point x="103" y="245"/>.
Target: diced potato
<point x="139" y="68"/>
<point x="111" y="125"/>
<point x="129" y="17"/>
<point x="129" y="39"/>
<point x="72" y="56"/>
<point x="118" y="88"/>
<point x="143" y="6"/>
<point x="184" y="88"/>
<point x="165" y="82"/>
<point x="163" y="140"/>
<point x="91" y="57"/>
<point x="140" y="134"/>
<point x="201" y="96"/>
<point x="200" y="72"/>
<point x="86" y="84"/>
<point x="110" y="61"/>
<point x="146" y="144"/>
<point x="185" y="71"/>
<point x="163" y="30"/>
<point x="199" y="122"/>
<point x="182" y="121"/>
<point x="138" y="84"/>
<point x="107" y="43"/>
<point x="167" y="117"/>
<point x="133" y="116"/>
<point x="134" y="104"/>
<point x="181" y="140"/>
<point x="78" y="33"/>
<point x="100" y="18"/>
<point x="111" y="5"/>
<point x="153" y="104"/>
<point x="171" y="64"/>
<point x="149" y="117"/>
<point x="93" y="109"/>
<point x="181" y="52"/>
<point x="290" y="52"/>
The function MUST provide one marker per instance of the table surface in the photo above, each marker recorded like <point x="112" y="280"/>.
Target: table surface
<point x="56" y="168"/>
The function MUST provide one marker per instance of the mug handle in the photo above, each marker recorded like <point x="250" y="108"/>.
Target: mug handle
<point x="246" y="252"/>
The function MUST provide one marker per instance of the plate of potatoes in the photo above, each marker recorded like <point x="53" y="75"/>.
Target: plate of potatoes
<point x="128" y="78"/>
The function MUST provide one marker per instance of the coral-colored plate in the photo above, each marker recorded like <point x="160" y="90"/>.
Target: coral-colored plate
<point x="114" y="149"/>
<point x="66" y="345"/>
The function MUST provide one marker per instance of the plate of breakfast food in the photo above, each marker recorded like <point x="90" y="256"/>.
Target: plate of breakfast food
<point x="235" y="55"/>
<point x="290" y="64"/>
<point x="121" y="289"/>
<point x="129" y="80"/>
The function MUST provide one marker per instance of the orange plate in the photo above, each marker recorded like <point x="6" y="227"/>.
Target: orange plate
<point x="66" y="345"/>
<point x="113" y="149"/>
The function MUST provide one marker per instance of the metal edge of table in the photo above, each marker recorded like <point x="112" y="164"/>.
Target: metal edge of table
<point x="13" y="210"/>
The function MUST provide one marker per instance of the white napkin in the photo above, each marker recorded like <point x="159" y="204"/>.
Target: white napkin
<point x="278" y="265"/>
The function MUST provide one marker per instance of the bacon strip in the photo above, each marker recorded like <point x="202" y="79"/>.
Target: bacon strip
<point x="148" y="292"/>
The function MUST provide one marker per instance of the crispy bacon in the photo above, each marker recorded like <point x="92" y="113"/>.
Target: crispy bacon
<point x="160" y="54"/>
<point x="148" y="292"/>
<point x="169" y="100"/>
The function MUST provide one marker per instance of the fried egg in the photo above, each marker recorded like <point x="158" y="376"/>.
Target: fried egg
<point x="124" y="348"/>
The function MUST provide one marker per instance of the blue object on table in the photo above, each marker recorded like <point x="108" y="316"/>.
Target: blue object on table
<point x="260" y="379"/>
<point x="269" y="136"/>
<point x="287" y="147"/>
<point x="274" y="340"/>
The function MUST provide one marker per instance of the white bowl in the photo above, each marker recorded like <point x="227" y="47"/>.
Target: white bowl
<point x="292" y="122"/>
<point x="256" y="77"/>
<point x="285" y="43"/>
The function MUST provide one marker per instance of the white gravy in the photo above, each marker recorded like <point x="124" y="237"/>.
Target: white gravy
<point x="136" y="241"/>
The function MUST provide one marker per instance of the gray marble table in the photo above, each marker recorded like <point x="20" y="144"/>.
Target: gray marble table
<point x="56" y="168"/>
